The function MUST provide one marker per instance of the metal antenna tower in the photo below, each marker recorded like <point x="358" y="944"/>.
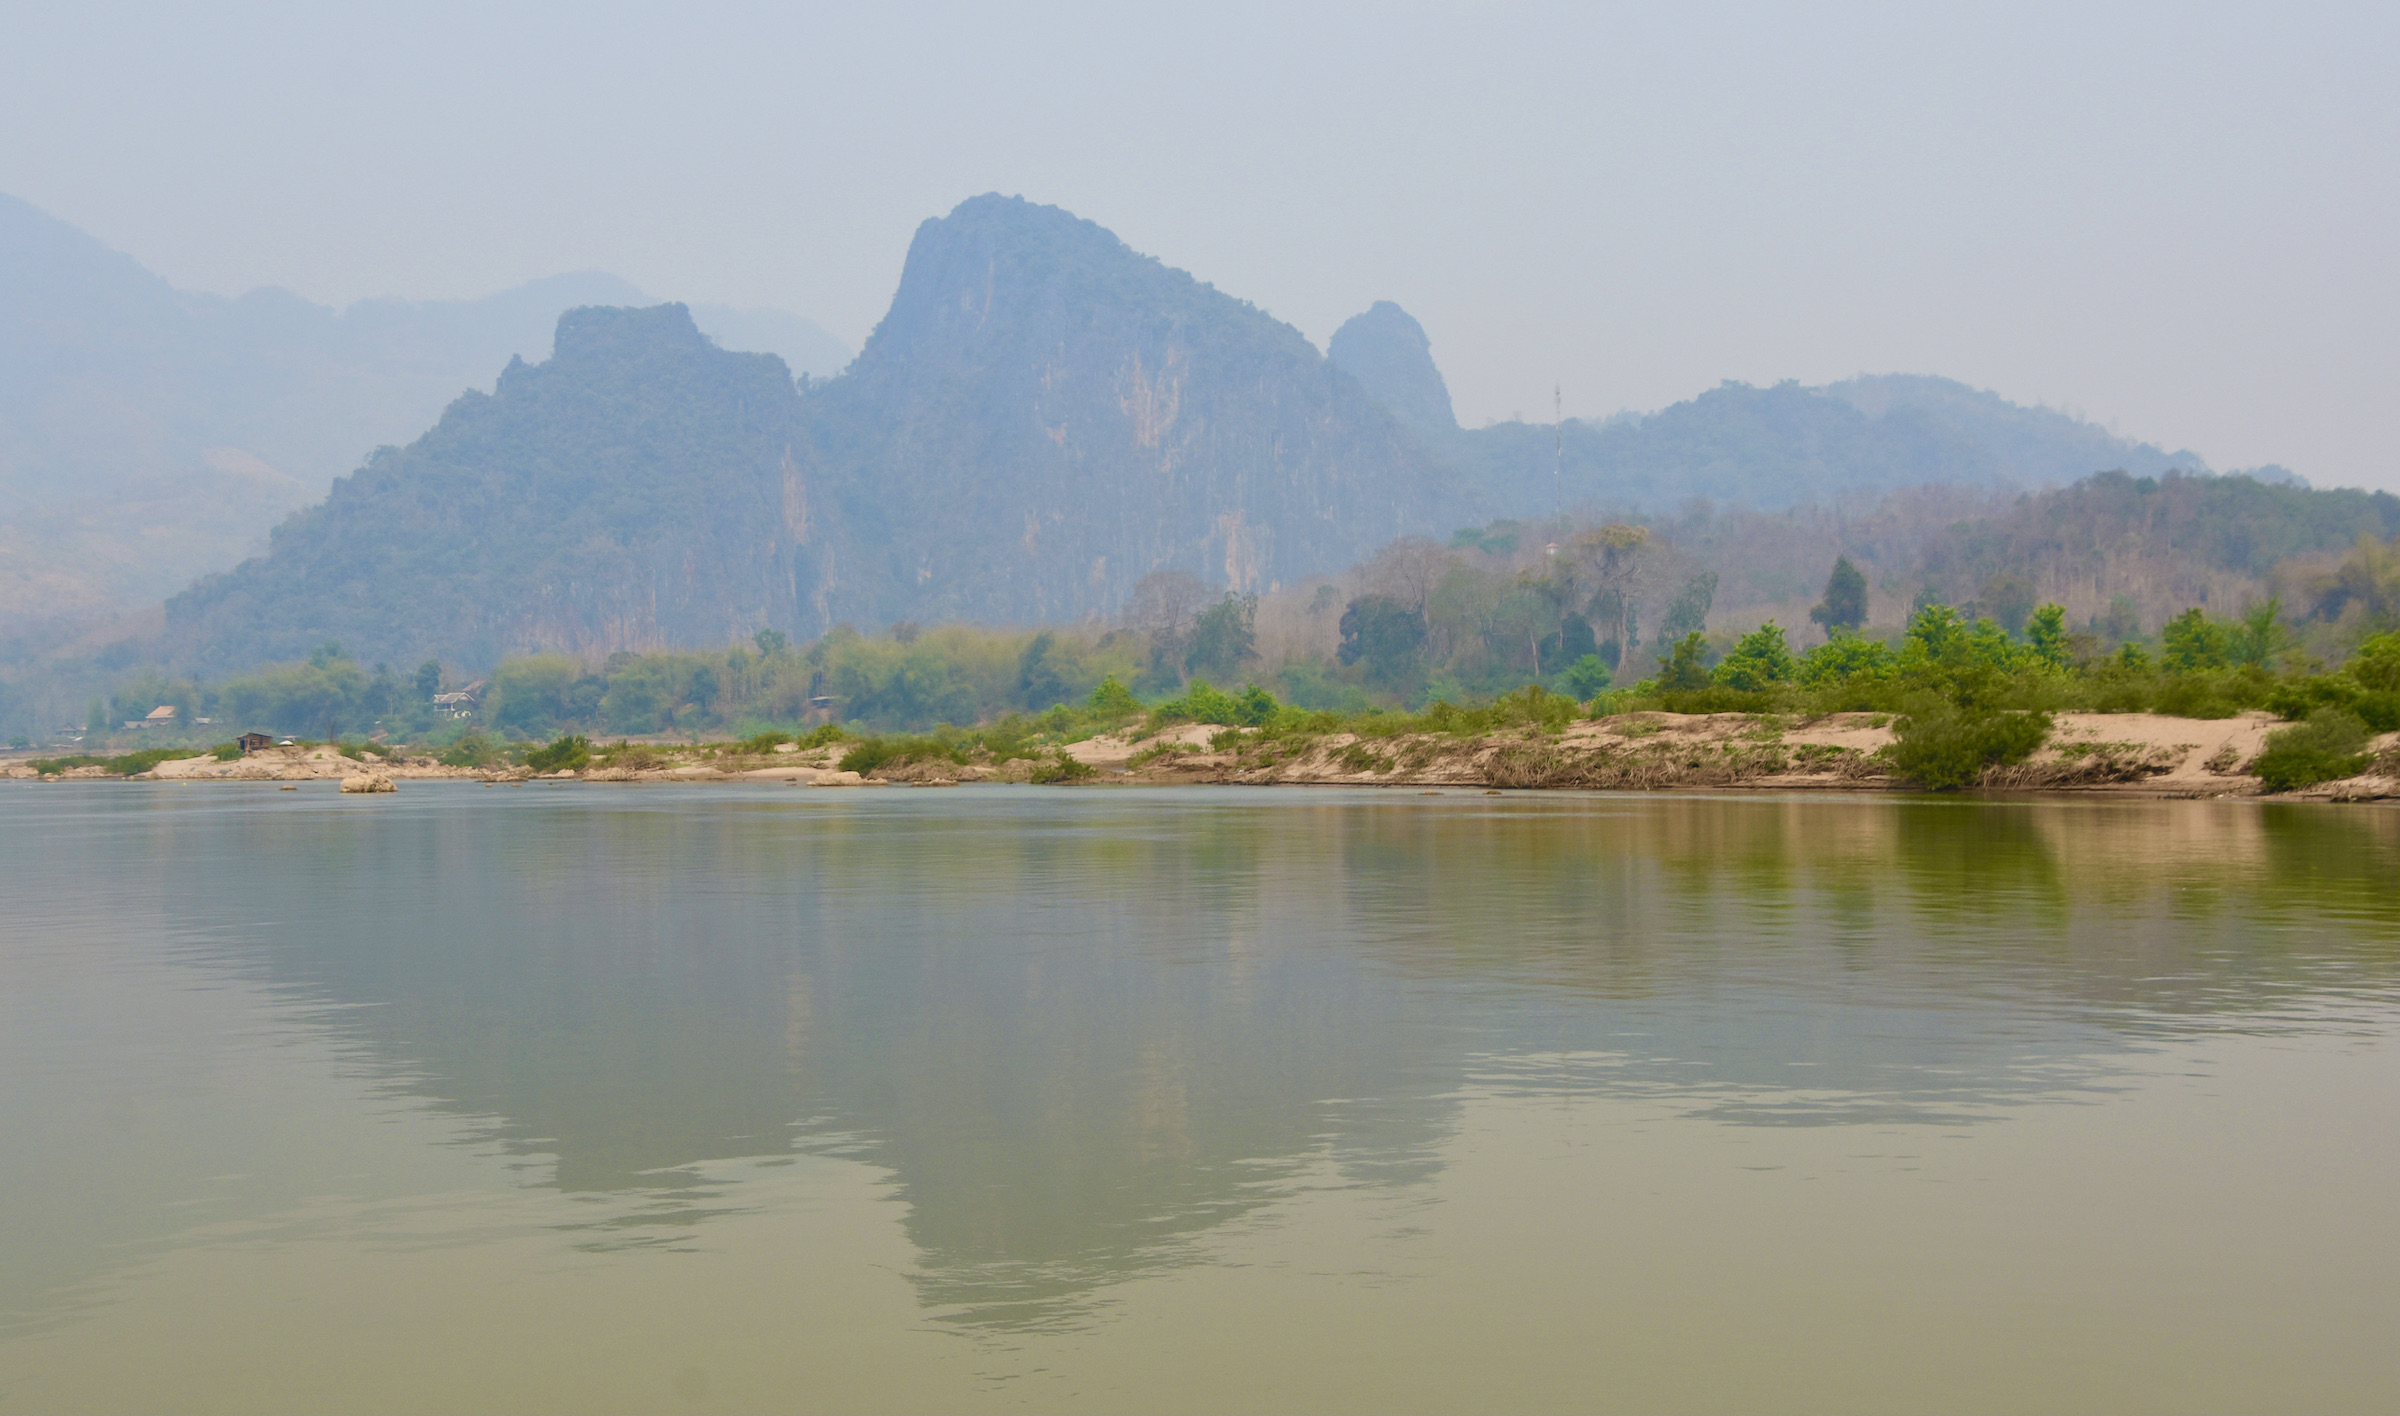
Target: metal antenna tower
<point x="1558" y="468"/>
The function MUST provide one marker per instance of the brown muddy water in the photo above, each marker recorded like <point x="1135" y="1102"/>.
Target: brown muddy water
<point x="581" y="1098"/>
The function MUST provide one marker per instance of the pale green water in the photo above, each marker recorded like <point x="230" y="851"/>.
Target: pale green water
<point x="590" y="1098"/>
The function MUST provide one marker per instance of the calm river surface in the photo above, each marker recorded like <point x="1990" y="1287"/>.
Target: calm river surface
<point x="574" y="1097"/>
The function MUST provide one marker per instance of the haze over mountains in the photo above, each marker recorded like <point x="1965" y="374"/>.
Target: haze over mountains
<point x="149" y="435"/>
<point x="1043" y="418"/>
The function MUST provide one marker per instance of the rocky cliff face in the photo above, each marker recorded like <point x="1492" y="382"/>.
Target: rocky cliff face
<point x="1045" y="417"/>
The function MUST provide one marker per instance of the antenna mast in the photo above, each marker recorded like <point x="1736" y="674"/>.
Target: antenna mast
<point x="1558" y="469"/>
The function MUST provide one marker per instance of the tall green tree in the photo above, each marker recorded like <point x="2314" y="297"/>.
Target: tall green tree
<point x="2046" y="634"/>
<point x="2258" y="636"/>
<point x="1845" y="602"/>
<point x="1038" y="682"/>
<point x="1687" y="613"/>
<point x="1224" y="637"/>
<point x="1686" y="668"/>
<point x="2192" y="641"/>
<point x="1385" y="635"/>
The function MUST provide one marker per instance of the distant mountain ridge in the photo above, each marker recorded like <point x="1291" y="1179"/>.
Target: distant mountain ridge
<point x="1788" y="445"/>
<point x="630" y="492"/>
<point x="1043" y="417"/>
<point x="122" y="400"/>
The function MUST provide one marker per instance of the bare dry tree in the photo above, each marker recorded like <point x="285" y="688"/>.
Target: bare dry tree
<point x="1407" y="570"/>
<point x="1165" y="601"/>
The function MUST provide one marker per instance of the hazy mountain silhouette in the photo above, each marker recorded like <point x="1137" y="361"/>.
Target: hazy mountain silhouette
<point x="149" y="435"/>
<point x="1788" y="445"/>
<point x="1046" y="416"/>
<point x="634" y="491"/>
<point x="1043" y="418"/>
<point x="1385" y="349"/>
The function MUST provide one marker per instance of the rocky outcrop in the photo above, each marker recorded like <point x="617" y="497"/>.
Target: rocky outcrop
<point x="1386" y="350"/>
<point x="1045" y="416"/>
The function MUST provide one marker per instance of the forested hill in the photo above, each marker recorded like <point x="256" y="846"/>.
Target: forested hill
<point x="634" y="491"/>
<point x="1045" y="417"/>
<point x="1789" y="445"/>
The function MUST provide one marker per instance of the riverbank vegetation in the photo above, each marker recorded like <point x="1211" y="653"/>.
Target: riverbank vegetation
<point x="1490" y="633"/>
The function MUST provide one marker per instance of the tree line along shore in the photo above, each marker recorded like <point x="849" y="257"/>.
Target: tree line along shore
<point x="2211" y="707"/>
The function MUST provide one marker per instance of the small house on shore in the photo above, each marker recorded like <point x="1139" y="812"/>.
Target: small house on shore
<point x="254" y="742"/>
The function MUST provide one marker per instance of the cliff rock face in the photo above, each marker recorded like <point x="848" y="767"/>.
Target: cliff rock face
<point x="635" y="491"/>
<point x="1386" y="350"/>
<point x="1045" y="417"/>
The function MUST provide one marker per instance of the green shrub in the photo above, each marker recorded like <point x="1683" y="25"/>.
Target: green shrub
<point x="2331" y="745"/>
<point x="1716" y="700"/>
<point x="1201" y="703"/>
<point x="48" y="765"/>
<point x="1060" y="768"/>
<point x="1587" y="678"/>
<point x="226" y="752"/>
<point x="1157" y="750"/>
<point x="1943" y="748"/>
<point x="1255" y="707"/>
<point x="2193" y="696"/>
<point x="148" y="758"/>
<point x="1847" y="658"/>
<point x="1759" y="659"/>
<point x="1686" y="668"/>
<point x="572" y="753"/>
<point x="1114" y="700"/>
<point x="125" y="766"/>
<point x="472" y="749"/>
<point x="1532" y="706"/>
<point x="873" y="753"/>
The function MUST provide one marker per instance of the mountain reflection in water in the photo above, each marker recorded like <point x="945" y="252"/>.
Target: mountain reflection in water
<point x="1082" y="1029"/>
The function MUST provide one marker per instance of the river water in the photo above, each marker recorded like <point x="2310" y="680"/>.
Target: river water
<point x="576" y="1097"/>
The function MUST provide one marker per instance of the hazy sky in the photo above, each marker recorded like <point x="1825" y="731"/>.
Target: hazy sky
<point x="2183" y="222"/>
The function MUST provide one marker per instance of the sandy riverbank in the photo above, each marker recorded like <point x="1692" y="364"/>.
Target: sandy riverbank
<point x="2119" y="752"/>
<point x="2125" y="752"/>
